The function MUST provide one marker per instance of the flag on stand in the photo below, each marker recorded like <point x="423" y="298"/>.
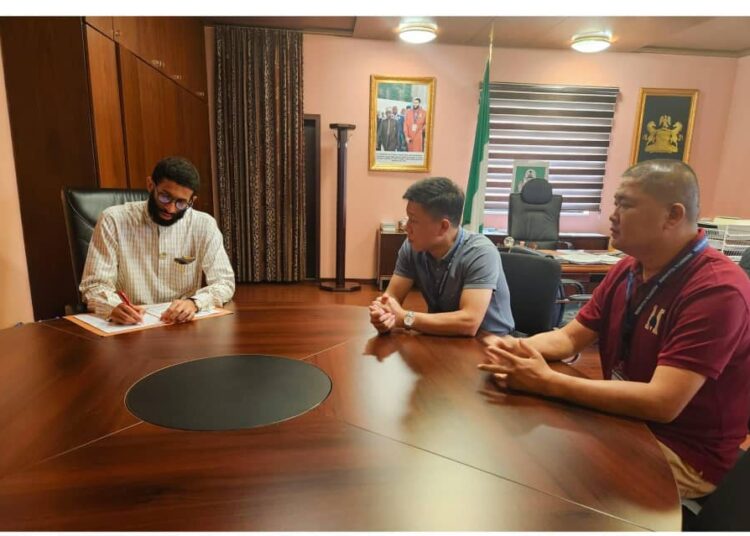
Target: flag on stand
<point x="473" y="217"/>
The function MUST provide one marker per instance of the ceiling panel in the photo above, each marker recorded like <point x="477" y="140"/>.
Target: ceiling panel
<point x="728" y="36"/>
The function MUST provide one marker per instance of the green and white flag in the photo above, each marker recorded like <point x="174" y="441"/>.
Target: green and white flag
<point x="473" y="218"/>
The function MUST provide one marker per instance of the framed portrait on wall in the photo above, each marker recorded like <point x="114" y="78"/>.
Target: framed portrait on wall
<point x="664" y="124"/>
<point x="525" y="170"/>
<point x="402" y="112"/>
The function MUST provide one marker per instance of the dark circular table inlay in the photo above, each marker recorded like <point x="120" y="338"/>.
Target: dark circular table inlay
<point x="228" y="392"/>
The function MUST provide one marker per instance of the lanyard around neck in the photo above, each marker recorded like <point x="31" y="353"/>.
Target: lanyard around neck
<point x="631" y="315"/>
<point x="441" y="285"/>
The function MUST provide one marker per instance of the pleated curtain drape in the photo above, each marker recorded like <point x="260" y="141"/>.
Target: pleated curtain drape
<point x="260" y="152"/>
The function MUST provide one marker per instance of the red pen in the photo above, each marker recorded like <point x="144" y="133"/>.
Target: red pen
<point x="124" y="297"/>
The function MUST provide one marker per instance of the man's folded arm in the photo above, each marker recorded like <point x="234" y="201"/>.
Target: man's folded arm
<point x="100" y="271"/>
<point x="220" y="283"/>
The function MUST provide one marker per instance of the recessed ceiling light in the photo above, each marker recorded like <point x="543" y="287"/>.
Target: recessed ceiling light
<point x="591" y="42"/>
<point x="417" y="32"/>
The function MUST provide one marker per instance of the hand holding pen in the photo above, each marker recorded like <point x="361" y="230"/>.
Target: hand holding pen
<point x="127" y="313"/>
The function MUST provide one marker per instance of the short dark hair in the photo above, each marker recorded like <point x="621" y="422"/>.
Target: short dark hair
<point x="417" y="98"/>
<point x="440" y="197"/>
<point x="178" y="169"/>
<point x="668" y="181"/>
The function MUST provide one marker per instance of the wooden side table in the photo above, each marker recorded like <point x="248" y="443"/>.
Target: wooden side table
<point x="388" y="245"/>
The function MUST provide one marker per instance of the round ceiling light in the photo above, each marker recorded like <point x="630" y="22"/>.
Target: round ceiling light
<point x="595" y="42"/>
<point x="417" y="32"/>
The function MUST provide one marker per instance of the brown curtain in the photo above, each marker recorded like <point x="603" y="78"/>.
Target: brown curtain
<point x="260" y="152"/>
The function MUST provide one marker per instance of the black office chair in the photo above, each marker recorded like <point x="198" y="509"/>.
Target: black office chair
<point x="81" y="208"/>
<point x="726" y="508"/>
<point x="745" y="261"/>
<point x="534" y="283"/>
<point x="534" y="216"/>
<point x="566" y="305"/>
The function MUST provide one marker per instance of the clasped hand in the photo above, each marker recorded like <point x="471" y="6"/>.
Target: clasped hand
<point x="386" y="313"/>
<point x="515" y="364"/>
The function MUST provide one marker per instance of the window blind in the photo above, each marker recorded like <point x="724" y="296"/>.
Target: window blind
<point x="567" y="126"/>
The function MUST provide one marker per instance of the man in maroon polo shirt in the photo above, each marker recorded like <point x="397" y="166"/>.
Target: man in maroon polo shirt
<point x="673" y="324"/>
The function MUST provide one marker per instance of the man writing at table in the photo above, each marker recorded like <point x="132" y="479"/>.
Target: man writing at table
<point x="673" y="326"/>
<point x="157" y="251"/>
<point x="459" y="272"/>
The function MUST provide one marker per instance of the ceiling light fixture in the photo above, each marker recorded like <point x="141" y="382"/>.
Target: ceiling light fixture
<point x="417" y="32"/>
<point x="591" y="42"/>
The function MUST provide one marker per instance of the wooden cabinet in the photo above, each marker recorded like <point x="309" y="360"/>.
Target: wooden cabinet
<point x="104" y="24"/>
<point x="105" y="109"/>
<point x="162" y="119"/>
<point x="172" y="45"/>
<point x="85" y="111"/>
<point x="388" y="245"/>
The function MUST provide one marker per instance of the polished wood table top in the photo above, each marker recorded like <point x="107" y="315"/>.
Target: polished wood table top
<point x="412" y="437"/>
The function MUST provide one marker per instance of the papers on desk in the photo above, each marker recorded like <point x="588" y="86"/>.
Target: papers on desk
<point x="583" y="257"/>
<point x="103" y="328"/>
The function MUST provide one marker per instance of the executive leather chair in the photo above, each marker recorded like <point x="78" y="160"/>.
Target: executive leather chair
<point x="81" y="208"/>
<point x="534" y="216"/>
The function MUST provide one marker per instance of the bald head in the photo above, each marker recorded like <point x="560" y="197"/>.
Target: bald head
<point x="669" y="182"/>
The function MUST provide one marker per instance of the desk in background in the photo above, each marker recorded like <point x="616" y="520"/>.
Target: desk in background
<point x="390" y="242"/>
<point x="590" y="275"/>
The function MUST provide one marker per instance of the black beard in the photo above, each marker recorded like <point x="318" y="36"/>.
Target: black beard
<point x="153" y="211"/>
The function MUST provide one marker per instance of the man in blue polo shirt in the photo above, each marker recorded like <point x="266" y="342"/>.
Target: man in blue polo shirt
<point x="458" y="272"/>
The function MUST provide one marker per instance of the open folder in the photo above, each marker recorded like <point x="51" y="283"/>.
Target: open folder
<point x="104" y="328"/>
<point x="584" y="257"/>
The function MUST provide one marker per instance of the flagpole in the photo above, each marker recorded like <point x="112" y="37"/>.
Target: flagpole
<point x="473" y="213"/>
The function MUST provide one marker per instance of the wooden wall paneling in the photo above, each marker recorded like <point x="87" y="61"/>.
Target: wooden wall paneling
<point x="195" y="140"/>
<point x="126" y="32"/>
<point x="103" y="24"/>
<point x="151" y="110"/>
<point x="174" y="48"/>
<point x="130" y="96"/>
<point x="172" y="45"/>
<point x="105" y="103"/>
<point x="195" y="57"/>
<point x="50" y="121"/>
<point x="142" y="36"/>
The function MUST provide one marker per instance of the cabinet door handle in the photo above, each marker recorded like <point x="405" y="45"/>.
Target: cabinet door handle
<point x="176" y="77"/>
<point x="201" y="94"/>
<point x="158" y="64"/>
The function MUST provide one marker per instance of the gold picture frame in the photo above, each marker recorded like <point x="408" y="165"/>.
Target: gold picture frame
<point x="401" y="141"/>
<point x="664" y="124"/>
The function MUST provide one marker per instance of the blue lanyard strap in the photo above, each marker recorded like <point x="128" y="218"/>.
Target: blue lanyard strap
<point x="443" y="280"/>
<point x="630" y="316"/>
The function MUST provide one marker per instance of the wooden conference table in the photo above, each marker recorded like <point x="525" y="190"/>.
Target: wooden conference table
<point x="412" y="437"/>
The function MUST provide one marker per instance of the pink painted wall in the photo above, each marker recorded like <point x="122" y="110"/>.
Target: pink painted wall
<point x="732" y="195"/>
<point x="337" y="78"/>
<point x="15" y="305"/>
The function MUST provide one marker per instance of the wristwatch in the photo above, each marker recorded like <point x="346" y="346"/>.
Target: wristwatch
<point x="409" y="319"/>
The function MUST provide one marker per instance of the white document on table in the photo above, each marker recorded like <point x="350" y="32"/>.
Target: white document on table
<point x="583" y="257"/>
<point x="150" y="318"/>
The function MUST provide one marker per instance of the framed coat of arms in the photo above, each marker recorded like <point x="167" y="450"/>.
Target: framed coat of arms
<point x="664" y="124"/>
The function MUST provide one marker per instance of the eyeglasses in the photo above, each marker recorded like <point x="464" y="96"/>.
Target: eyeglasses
<point x="180" y="204"/>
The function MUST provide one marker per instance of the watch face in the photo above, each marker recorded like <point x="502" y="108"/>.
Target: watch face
<point x="409" y="319"/>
